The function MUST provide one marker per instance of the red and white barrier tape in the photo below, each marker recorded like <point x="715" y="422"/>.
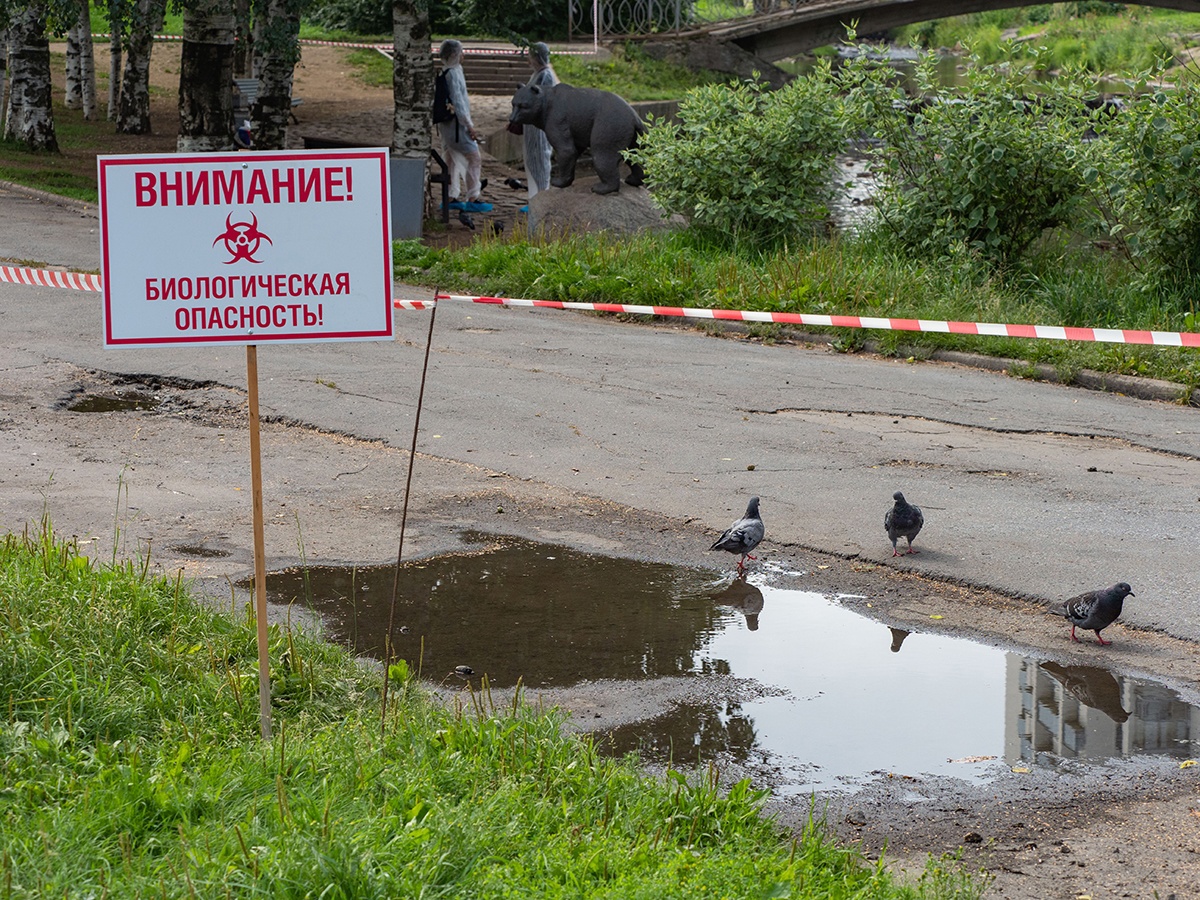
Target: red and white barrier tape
<point x="78" y="281"/>
<point x="83" y="282"/>
<point x="987" y="329"/>
<point x="387" y="47"/>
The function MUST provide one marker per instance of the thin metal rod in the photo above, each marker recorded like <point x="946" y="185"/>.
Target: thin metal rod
<point x="412" y="455"/>
<point x="260" y="563"/>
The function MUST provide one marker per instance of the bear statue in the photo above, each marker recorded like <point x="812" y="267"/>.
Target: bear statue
<point x="575" y="119"/>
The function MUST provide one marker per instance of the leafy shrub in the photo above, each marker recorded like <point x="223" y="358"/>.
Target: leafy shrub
<point x="1149" y="182"/>
<point x="990" y="165"/>
<point x="353" y="16"/>
<point x="748" y="163"/>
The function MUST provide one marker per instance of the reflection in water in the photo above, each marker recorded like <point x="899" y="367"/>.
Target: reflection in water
<point x="1091" y="686"/>
<point x="547" y="615"/>
<point x="1082" y="712"/>
<point x="688" y="735"/>
<point x="745" y="598"/>
<point x="552" y="616"/>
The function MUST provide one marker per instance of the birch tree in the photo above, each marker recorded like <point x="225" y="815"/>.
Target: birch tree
<point x="133" y="109"/>
<point x="276" y="52"/>
<point x="206" y="77"/>
<point x="81" y="65"/>
<point x="412" y="81"/>
<point x="28" y="117"/>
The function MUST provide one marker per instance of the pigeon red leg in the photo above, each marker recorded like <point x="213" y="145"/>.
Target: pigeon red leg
<point x="1075" y="639"/>
<point x="1102" y="641"/>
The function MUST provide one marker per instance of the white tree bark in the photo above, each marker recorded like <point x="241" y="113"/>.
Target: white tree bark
<point x="412" y="81"/>
<point x="29" y="118"/>
<point x="81" y="66"/>
<point x="276" y="52"/>
<point x="114" y="71"/>
<point x="74" y="93"/>
<point x="206" y="77"/>
<point x="133" y="115"/>
<point x="3" y="76"/>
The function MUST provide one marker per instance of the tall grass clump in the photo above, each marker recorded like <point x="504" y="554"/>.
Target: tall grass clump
<point x="131" y="766"/>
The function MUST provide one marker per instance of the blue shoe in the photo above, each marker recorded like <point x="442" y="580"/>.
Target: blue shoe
<point x="476" y="206"/>
<point x="524" y="208"/>
<point x="456" y="204"/>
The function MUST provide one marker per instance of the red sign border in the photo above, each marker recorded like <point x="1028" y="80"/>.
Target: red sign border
<point x="175" y="159"/>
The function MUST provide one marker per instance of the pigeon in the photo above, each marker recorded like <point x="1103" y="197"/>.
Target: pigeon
<point x="1095" y="610"/>
<point x="743" y="535"/>
<point x="903" y="520"/>
<point x="466" y="219"/>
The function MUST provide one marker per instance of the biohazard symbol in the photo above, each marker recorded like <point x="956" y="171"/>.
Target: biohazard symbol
<point x="242" y="239"/>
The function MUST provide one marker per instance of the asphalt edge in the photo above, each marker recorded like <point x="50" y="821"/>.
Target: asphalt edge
<point x="1128" y="385"/>
<point x="81" y="206"/>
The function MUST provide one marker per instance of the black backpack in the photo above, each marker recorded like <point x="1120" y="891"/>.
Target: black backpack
<point x="442" y="110"/>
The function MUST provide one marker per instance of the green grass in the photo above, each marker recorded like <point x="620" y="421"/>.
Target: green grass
<point x="629" y="73"/>
<point x="1077" y="287"/>
<point x="131" y="766"/>
<point x="1122" y="42"/>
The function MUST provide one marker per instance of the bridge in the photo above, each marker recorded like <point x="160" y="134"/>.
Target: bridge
<point x="787" y="27"/>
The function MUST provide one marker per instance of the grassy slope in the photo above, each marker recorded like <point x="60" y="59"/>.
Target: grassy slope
<point x="131" y="767"/>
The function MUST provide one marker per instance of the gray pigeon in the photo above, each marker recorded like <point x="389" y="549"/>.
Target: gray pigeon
<point x="1095" y="610"/>
<point x="743" y="535"/>
<point x="903" y="520"/>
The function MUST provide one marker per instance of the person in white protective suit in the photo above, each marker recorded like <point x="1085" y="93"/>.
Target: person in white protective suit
<point x="459" y="138"/>
<point x="537" y="146"/>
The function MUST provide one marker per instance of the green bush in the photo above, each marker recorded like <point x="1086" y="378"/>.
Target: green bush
<point x="989" y="166"/>
<point x="748" y="163"/>
<point x="1149" y="183"/>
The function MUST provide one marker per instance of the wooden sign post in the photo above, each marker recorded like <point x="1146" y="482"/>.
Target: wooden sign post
<point x="246" y="248"/>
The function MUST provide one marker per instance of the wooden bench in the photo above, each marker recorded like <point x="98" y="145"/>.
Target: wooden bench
<point x="247" y="93"/>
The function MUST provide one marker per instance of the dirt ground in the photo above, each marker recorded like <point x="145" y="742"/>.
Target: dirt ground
<point x="1129" y="831"/>
<point x="336" y="104"/>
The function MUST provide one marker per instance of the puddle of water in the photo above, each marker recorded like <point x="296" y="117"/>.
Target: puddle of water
<point x="860" y="699"/>
<point x="117" y="401"/>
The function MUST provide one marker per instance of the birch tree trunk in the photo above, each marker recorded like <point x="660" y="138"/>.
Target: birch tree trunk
<point x="73" y="99"/>
<point x="412" y="81"/>
<point x="3" y="77"/>
<point x="81" y="65"/>
<point x="206" y="77"/>
<point x="276" y="52"/>
<point x="114" y="70"/>
<point x="29" y="118"/>
<point x="133" y="116"/>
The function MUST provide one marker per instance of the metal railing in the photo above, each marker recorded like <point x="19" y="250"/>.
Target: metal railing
<point x="601" y="19"/>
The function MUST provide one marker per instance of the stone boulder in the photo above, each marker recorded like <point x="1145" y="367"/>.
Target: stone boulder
<point x="576" y="209"/>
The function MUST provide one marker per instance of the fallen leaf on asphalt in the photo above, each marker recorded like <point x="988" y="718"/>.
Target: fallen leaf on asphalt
<point x="1187" y="764"/>
<point x="1020" y="770"/>
<point x="937" y="617"/>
